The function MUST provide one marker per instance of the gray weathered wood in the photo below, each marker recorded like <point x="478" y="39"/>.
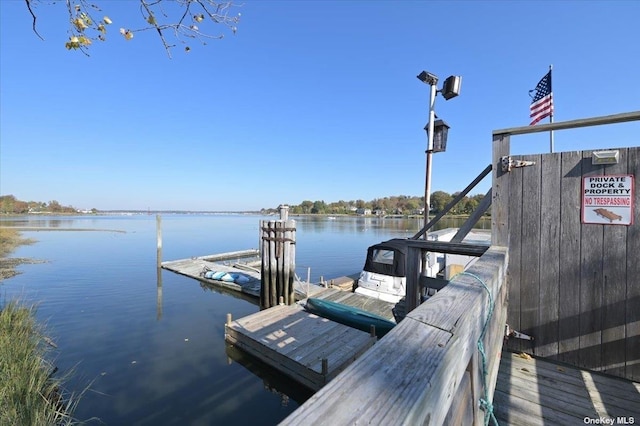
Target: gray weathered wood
<point x="546" y="343"/>
<point x="159" y="240"/>
<point x="569" y="281"/>
<point x="591" y="283"/>
<point x="513" y="211"/>
<point x="530" y="275"/>
<point x="230" y="255"/>
<point x="572" y="124"/>
<point x="431" y="350"/>
<point x="632" y="302"/>
<point x="534" y="391"/>
<point x="572" y="285"/>
<point x="500" y="193"/>
<point x="305" y="347"/>
<point x="453" y="202"/>
<point x="278" y="262"/>
<point x="474" y="217"/>
<point x="614" y="286"/>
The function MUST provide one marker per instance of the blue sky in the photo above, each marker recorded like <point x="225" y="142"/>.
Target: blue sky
<point x="309" y="100"/>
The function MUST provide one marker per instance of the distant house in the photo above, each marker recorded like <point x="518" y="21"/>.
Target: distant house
<point x="363" y="211"/>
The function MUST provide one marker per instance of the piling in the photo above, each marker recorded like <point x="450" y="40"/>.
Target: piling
<point x="278" y="238"/>
<point x="159" y="240"/>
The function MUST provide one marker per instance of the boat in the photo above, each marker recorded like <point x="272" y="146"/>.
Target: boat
<point x="349" y="315"/>
<point x="384" y="273"/>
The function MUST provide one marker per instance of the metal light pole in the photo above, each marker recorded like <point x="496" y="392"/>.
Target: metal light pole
<point x="429" y="152"/>
<point x="450" y="89"/>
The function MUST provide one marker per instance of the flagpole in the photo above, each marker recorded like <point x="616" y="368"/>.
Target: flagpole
<point x="551" y="118"/>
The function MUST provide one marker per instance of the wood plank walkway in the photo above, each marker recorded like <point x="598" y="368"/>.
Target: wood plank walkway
<point x="193" y="268"/>
<point x="309" y="349"/>
<point x="534" y="391"/>
<point x="369" y="304"/>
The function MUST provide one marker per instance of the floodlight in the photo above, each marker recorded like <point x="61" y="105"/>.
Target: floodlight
<point x="451" y="87"/>
<point x="605" y="157"/>
<point x="428" y="78"/>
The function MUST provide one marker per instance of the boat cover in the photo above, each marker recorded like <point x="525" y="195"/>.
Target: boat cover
<point x="396" y="268"/>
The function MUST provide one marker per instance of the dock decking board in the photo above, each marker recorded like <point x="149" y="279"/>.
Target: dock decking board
<point x="375" y="306"/>
<point x="295" y="342"/>
<point x="193" y="268"/>
<point x="537" y="392"/>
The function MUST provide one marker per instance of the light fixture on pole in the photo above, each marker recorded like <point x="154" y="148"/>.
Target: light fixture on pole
<point x="436" y="130"/>
<point x="440" y="132"/>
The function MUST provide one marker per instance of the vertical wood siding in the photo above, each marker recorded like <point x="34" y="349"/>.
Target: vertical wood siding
<point x="574" y="287"/>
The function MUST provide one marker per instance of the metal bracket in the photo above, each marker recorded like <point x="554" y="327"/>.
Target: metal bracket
<point x="509" y="332"/>
<point x="509" y="163"/>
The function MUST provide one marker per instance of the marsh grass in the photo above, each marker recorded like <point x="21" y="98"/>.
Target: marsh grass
<point x="10" y="238"/>
<point x="29" y="392"/>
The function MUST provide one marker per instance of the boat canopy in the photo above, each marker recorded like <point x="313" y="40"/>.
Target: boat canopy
<point x="387" y="258"/>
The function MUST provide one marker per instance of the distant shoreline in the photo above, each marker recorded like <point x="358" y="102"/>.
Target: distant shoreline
<point x="50" y="228"/>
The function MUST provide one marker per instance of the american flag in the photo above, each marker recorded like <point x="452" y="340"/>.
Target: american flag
<point x="542" y="103"/>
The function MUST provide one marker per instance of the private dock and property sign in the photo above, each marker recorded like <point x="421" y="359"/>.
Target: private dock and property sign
<point x="607" y="199"/>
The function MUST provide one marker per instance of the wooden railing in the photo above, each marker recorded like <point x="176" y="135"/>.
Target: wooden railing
<point x="438" y="366"/>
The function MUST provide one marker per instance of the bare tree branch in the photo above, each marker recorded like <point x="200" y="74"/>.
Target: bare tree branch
<point x="28" y="2"/>
<point x="157" y="15"/>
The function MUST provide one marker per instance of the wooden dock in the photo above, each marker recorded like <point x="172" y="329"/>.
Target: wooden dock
<point x="369" y="304"/>
<point x="533" y="391"/>
<point x="226" y="262"/>
<point x="310" y="349"/>
<point x="340" y="290"/>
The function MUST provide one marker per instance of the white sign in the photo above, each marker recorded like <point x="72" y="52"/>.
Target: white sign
<point x="607" y="199"/>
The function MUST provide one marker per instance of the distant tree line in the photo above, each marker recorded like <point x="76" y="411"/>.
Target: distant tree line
<point x="9" y="204"/>
<point x="397" y="204"/>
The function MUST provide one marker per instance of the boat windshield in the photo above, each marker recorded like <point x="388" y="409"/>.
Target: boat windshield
<point x="383" y="256"/>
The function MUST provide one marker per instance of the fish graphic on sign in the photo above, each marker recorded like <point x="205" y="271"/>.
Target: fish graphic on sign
<point x="607" y="214"/>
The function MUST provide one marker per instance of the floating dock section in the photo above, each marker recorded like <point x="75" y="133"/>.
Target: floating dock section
<point x="231" y="263"/>
<point x="310" y="349"/>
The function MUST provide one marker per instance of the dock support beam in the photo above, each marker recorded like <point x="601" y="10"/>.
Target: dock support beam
<point x="278" y="239"/>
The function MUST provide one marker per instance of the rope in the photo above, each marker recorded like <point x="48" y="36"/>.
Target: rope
<point x="485" y="404"/>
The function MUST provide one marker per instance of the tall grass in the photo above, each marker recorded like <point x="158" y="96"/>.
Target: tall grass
<point x="10" y="238"/>
<point x="29" y="394"/>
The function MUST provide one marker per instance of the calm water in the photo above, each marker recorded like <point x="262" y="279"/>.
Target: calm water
<point x="150" y="348"/>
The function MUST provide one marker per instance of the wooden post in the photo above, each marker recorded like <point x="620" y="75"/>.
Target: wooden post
<point x="412" y="298"/>
<point x="278" y="261"/>
<point x="273" y="265"/>
<point x="284" y="212"/>
<point x="159" y="238"/>
<point x="159" y="294"/>
<point x="500" y="192"/>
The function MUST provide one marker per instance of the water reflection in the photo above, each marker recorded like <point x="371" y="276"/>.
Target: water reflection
<point x="227" y="292"/>
<point x="159" y="294"/>
<point x="358" y="224"/>
<point x="274" y="381"/>
<point x="95" y="294"/>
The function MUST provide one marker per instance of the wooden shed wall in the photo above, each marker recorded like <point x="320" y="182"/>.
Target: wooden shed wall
<point x="574" y="287"/>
